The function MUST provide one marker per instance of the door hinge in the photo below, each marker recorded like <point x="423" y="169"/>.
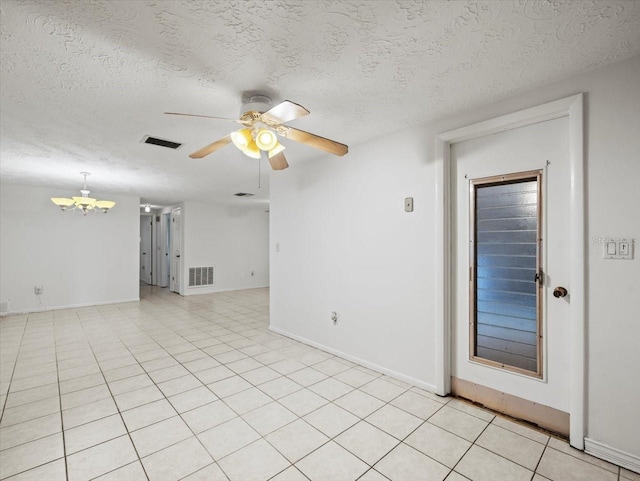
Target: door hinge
<point x="539" y="277"/>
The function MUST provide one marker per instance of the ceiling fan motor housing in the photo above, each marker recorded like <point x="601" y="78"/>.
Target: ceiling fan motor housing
<point x="257" y="103"/>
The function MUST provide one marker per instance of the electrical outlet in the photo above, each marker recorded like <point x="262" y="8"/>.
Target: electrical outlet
<point x="38" y="290"/>
<point x="334" y="317"/>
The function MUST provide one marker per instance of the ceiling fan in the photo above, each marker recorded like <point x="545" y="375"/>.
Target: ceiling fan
<point x="262" y="123"/>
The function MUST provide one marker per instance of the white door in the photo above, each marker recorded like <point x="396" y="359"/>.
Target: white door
<point x="176" y="264"/>
<point x="145" y="249"/>
<point x="165" y="251"/>
<point x="510" y="333"/>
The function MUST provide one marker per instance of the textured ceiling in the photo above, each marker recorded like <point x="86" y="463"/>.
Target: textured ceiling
<point x="83" y="81"/>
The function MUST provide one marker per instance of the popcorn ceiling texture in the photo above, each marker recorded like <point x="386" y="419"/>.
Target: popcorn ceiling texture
<point x="82" y="82"/>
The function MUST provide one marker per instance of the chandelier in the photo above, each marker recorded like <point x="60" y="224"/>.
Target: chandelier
<point x="84" y="203"/>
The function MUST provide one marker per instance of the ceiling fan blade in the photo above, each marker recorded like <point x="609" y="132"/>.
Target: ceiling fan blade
<point x="238" y="121"/>
<point x="314" y="140"/>
<point x="284" y="112"/>
<point x="278" y="161"/>
<point x="198" y="154"/>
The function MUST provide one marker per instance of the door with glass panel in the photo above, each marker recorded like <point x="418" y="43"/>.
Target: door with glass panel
<point x="511" y="334"/>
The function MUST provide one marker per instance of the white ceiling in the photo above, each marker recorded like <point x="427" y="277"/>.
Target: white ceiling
<point x="83" y="81"/>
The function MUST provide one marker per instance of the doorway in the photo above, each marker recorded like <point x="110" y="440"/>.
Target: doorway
<point x="486" y="150"/>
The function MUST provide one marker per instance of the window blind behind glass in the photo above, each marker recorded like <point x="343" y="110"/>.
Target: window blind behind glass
<point x="506" y="218"/>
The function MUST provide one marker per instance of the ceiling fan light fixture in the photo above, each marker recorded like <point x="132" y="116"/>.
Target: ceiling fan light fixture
<point x="276" y="150"/>
<point x="252" y="150"/>
<point x="241" y="138"/>
<point x="266" y="139"/>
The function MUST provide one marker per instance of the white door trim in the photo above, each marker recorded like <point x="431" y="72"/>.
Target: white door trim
<point x="568" y="107"/>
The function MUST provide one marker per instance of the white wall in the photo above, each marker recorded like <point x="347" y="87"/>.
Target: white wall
<point x="78" y="260"/>
<point x="347" y="245"/>
<point x="233" y="239"/>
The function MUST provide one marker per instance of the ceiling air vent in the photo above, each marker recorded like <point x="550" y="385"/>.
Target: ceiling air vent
<point x="243" y="194"/>
<point x="147" y="139"/>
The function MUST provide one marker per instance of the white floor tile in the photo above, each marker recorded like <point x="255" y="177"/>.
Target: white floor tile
<point x="394" y="421"/>
<point x="512" y="446"/>
<point x="382" y="389"/>
<point x="53" y="471"/>
<point x="228" y="437"/>
<point x="148" y="414"/>
<point x="269" y="417"/>
<point x="248" y="400"/>
<point x="331" y="419"/>
<point x="481" y="465"/>
<point x="367" y="442"/>
<point x="100" y="459"/>
<point x="139" y="397"/>
<point x="256" y="462"/>
<point x="130" y="472"/>
<point x="332" y="463"/>
<point x="158" y="436"/>
<point x="89" y="412"/>
<point x="459" y="423"/>
<point x="296" y="440"/>
<point x="302" y="402"/>
<point x="177" y="461"/>
<point x="96" y="432"/>
<point x="30" y="455"/>
<point x="416" y="404"/>
<point x="30" y="431"/>
<point x="406" y="464"/>
<point x="441" y="445"/>
<point x="280" y="387"/>
<point x="188" y="400"/>
<point x="208" y="473"/>
<point x="558" y="466"/>
<point x="208" y="416"/>
<point x="331" y="389"/>
<point x="307" y="376"/>
<point x="520" y="429"/>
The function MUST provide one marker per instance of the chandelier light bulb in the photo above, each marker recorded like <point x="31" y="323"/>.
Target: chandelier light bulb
<point x="266" y="139"/>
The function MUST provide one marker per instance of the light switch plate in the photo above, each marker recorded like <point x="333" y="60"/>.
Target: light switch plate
<point x="408" y="204"/>
<point x="621" y="248"/>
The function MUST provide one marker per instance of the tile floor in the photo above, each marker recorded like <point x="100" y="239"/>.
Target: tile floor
<point x="198" y="388"/>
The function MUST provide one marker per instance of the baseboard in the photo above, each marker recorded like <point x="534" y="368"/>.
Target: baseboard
<point x="70" y="306"/>
<point x="198" y="291"/>
<point x="370" y="365"/>
<point x="613" y="455"/>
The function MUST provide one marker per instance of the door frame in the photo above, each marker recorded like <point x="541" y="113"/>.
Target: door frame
<point x="571" y="107"/>
<point x="151" y="245"/>
<point x="176" y="212"/>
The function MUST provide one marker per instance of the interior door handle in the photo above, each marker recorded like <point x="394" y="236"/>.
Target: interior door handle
<point x="178" y="255"/>
<point x="560" y="292"/>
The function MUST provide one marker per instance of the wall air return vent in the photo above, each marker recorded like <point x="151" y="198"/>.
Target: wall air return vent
<point x="147" y="139"/>
<point x="243" y="194"/>
<point x="200" y="276"/>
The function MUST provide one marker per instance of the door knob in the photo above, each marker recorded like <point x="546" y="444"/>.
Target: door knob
<point x="560" y="292"/>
